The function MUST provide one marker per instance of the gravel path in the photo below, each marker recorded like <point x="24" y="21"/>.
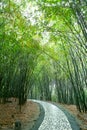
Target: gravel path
<point x="54" y="118"/>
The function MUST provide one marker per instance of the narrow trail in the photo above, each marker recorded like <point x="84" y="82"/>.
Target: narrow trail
<point x="54" y="118"/>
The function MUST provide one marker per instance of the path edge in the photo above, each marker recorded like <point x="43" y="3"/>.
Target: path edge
<point x="74" y="122"/>
<point x="40" y="118"/>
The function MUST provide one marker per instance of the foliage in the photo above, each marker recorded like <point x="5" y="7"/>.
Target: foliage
<point x="43" y="51"/>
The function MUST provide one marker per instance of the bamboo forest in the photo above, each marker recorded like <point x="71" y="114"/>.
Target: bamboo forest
<point x="43" y="51"/>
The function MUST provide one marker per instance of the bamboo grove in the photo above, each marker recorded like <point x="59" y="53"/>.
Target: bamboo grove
<point x="43" y="51"/>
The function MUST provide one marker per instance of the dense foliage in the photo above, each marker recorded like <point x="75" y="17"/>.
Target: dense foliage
<point x="43" y="50"/>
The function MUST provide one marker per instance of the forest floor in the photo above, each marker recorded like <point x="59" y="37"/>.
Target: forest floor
<point x="10" y="112"/>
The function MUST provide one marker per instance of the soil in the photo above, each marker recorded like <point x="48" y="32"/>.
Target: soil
<point x="10" y="112"/>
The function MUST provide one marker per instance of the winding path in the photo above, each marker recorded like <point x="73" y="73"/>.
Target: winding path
<point x="54" y="118"/>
